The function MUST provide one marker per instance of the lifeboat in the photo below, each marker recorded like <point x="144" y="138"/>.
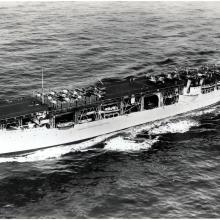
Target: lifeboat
<point x="65" y="125"/>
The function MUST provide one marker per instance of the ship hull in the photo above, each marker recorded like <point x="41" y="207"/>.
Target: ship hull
<point x="37" y="138"/>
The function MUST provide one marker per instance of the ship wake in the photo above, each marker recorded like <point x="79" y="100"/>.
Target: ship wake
<point x="128" y="144"/>
<point x="178" y="126"/>
<point x="145" y="136"/>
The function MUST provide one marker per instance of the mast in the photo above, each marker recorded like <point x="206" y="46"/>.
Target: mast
<point x="42" y="85"/>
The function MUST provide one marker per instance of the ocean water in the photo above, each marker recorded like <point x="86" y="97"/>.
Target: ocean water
<point x="167" y="169"/>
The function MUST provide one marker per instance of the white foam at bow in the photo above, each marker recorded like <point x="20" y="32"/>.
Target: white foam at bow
<point x="121" y="144"/>
<point x="174" y="127"/>
<point x="160" y="127"/>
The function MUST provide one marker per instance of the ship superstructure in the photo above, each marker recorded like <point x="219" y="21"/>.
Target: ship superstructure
<point x="109" y="105"/>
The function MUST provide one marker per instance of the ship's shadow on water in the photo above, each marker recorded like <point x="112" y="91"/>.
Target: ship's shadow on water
<point x="112" y="166"/>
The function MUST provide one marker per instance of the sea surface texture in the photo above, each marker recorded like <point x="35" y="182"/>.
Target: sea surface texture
<point x="166" y="169"/>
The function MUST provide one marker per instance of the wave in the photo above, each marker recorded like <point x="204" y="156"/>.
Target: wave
<point x="206" y="52"/>
<point x="181" y="126"/>
<point x="138" y="67"/>
<point x="200" y="61"/>
<point x="127" y="145"/>
<point x="166" y="61"/>
<point x="149" y="134"/>
<point x="202" y="52"/>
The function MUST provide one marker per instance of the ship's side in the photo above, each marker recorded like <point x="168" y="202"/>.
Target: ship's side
<point x="76" y="121"/>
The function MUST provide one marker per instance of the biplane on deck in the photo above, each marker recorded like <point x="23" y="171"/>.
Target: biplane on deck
<point x="114" y="88"/>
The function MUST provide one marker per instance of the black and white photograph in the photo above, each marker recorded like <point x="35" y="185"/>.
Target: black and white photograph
<point x="109" y="109"/>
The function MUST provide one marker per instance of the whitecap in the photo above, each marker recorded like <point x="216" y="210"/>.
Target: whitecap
<point x="127" y="145"/>
<point x="180" y="126"/>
